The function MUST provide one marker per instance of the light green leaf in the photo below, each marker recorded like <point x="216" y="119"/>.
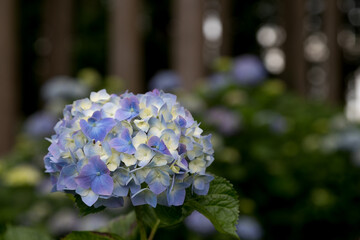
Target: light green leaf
<point x="125" y="226"/>
<point x="92" y="236"/>
<point x="220" y="205"/>
<point x="21" y="233"/>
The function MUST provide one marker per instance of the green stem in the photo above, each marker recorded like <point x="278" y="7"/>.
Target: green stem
<point x="141" y="225"/>
<point x="153" y="230"/>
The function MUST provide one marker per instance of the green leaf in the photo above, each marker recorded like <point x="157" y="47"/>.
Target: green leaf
<point x="21" y="233"/>
<point x="124" y="226"/>
<point x="220" y="205"/>
<point x="83" y="208"/>
<point x="92" y="236"/>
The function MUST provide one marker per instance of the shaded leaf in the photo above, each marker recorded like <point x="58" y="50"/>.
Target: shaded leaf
<point x="220" y="205"/>
<point x="124" y="226"/>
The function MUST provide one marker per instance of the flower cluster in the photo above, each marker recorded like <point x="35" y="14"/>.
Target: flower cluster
<point x="146" y="146"/>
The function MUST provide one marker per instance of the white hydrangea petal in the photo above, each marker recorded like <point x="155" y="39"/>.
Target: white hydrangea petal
<point x="197" y="166"/>
<point x="161" y="159"/>
<point x="99" y="96"/>
<point x="128" y="159"/>
<point x="196" y="152"/>
<point x="164" y="112"/>
<point x="109" y="109"/>
<point x="113" y="161"/>
<point x="140" y="138"/>
<point x="144" y="154"/>
<point x="142" y="125"/>
<point x="170" y="139"/>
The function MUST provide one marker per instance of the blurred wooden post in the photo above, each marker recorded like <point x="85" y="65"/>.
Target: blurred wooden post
<point x="8" y="98"/>
<point x="187" y="49"/>
<point x="332" y="65"/>
<point x="227" y="36"/>
<point x="293" y="19"/>
<point x="56" y="39"/>
<point x="125" y="43"/>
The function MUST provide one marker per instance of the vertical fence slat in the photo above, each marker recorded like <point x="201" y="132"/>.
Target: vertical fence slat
<point x="332" y="65"/>
<point x="8" y="100"/>
<point x="227" y="36"/>
<point x="293" y="17"/>
<point x="188" y="41"/>
<point x="57" y="29"/>
<point x="125" y="43"/>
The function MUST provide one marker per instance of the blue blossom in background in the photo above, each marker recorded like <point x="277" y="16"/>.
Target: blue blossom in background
<point x="226" y="121"/>
<point x="63" y="87"/>
<point x="165" y="80"/>
<point x="145" y="146"/>
<point x="40" y="124"/>
<point x="218" y="81"/>
<point x="199" y="224"/>
<point x="248" y="70"/>
<point x="249" y="229"/>
<point x="273" y="120"/>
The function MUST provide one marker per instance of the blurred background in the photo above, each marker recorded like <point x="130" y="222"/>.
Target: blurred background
<point x="276" y="82"/>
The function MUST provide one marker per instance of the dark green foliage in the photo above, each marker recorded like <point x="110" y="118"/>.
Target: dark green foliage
<point x="92" y="236"/>
<point x="22" y="233"/>
<point x="125" y="226"/>
<point x="287" y="180"/>
<point x="83" y="208"/>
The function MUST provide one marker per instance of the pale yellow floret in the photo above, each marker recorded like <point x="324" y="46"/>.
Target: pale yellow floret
<point x="197" y="166"/>
<point x="140" y="138"/>
<point x="113" y="161"/>
<point x="127" y="159"/>
<point x="142" y="125"/>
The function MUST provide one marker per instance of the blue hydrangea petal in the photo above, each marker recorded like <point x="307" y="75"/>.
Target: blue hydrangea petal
<point x="158" y="180"/>
<point x="54" y="149"/>
<point x="121" y="177"/>
<point x="158" y="145"/>
<point x="107" y="124"/>
<point x="144" y="196"/>
<point x="176" y="195"/>
<point x="97" y="130"/>
<point x="122" y="115"/>
<point x="67" y="178"/>
<point x="103" y="185"/>
<point x="122" y="145"/>
<point x="134" y="188"/>
<point x="99" y="165"/>
<point x="92" y="171"/>
<point x="86" y="176"/>
<point x="120" y="191"/>
<point x="87" y="196"/>
<point x="156" y="187"/>
<point x="201" y="184"/>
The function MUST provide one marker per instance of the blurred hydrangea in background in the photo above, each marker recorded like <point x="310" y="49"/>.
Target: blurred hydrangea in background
<point x="166" y="80"/>
<point x="248" y="70"/>
<point x="198" y="223"/>
<point x="249" y="229"/>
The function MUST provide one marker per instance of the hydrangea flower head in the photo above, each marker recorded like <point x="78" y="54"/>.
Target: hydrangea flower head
<point x="145" y="146"/>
